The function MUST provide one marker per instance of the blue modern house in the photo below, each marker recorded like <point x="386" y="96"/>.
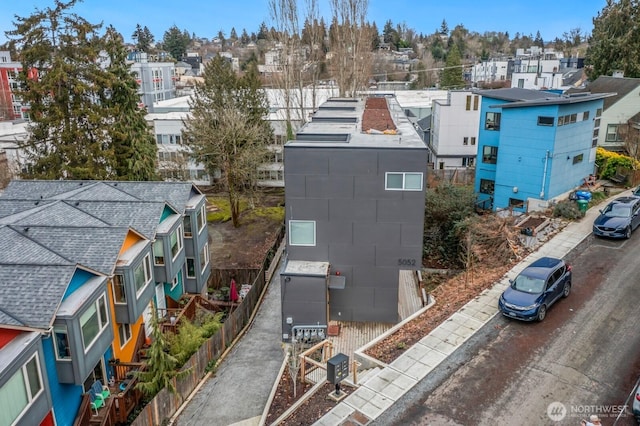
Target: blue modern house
<point x="534" y="146"/>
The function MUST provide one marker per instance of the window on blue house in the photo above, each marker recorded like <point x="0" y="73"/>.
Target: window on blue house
<point x="516" y="203"/>
<point x="487" y="186"/>
<point x="545" y="121"/>
<point x="578" y="158"/>
<point x="490" y="154"/>
<point x="492" y="121"/>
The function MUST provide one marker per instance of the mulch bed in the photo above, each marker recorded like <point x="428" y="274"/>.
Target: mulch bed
<point x="308" y="412"/>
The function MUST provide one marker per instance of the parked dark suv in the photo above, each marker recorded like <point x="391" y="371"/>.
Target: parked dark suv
<point x="535" y="289"/>
<point x="619" y="218"/>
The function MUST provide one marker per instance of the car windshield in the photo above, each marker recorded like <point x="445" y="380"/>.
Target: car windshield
<point x="617" y="210"/>
<point x="528" y="284"/>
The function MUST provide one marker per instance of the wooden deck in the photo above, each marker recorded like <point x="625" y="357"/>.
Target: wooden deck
<point x="356" y="334"/>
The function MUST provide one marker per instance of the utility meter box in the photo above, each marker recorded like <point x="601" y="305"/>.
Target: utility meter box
<point x="337" y="368"/>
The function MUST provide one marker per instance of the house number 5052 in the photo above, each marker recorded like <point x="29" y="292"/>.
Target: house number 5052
<point x="406" y="262"/>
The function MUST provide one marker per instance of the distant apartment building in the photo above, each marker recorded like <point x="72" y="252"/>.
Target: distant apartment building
<point x="454" y="130"/>
<point x="156" y="80"/>
<point x="11" y="107"/>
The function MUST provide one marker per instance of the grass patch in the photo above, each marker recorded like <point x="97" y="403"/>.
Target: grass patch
<point x="223" y="212"/>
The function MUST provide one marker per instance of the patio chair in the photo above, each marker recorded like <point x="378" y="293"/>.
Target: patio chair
<point x="97" y="401"/>
<point x="101" y="389"/>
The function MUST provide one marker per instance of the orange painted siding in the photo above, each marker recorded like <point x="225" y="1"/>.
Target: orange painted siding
<point x="130" y="240"/>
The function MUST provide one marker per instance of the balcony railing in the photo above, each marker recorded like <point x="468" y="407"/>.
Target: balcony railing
<point x="118" y="406"/>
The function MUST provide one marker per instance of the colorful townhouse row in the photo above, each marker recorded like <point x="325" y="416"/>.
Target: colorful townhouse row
<point x="81" y="264"/>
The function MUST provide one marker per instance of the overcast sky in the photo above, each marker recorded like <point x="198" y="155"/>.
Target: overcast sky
<point x="206" y="18"/>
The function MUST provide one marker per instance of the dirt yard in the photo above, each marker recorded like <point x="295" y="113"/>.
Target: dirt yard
<point x="244" y="247"/>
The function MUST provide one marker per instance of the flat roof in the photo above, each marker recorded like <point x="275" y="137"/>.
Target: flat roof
<point x="306" y="268"/>
<point x="335" y="128"/>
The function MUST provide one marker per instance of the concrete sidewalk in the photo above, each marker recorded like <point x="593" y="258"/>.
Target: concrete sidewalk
<point x="379" y="391"/>
<point x="238" y="392"/>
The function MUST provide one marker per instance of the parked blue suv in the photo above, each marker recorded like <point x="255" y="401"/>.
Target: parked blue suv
<point x="619" y="218"/>
<point x="535" y="289"/>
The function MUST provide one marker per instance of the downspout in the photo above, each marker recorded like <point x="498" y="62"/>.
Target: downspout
<point x="544" y="174"/>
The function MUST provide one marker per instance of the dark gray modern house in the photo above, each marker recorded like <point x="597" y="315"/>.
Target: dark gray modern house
<point x="354" y="196"/>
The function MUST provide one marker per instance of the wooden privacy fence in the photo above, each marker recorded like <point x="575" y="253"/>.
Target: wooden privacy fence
<point x="165" y="404"/>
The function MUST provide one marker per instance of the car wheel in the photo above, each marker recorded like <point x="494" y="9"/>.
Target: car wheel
<point x="627" y="232"/>
<point x="542" y="312"/>
<point x="567" y="289"/>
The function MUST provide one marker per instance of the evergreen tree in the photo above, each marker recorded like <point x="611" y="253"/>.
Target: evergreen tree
<point x="233" y="36"/>
<point x="227" y="131"/>
<point x="538" y="41"/>
<point x="61" y="81"/>
<point x="263" y="32"/>
<point x="175" y="42"/>
<point x="143" y="38"/>
<point x="444" y="28"/>
<point x="615" y="40"/>
<point x="244" y="37"/>
<point x="133" y="144"/>
<point x="85" y="120"/>
<point x="162" y="367"/>
<point x="452" y="74"/>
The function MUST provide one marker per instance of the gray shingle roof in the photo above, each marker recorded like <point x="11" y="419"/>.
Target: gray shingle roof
<point x="32" y="293"/>
<point x="142" y="216"/>
<point x="58" y="213"/>
<point x="15" y="249"/>
<point x="12" y="207"/>
<point x="96" y="248"/>
<point x="175" y="193"/>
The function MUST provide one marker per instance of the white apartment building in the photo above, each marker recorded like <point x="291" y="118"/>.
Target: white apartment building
<point x="454" y="130"/>
<point x="156" y="80"/>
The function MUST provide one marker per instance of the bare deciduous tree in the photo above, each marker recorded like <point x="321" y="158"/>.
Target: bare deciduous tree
<point x="350" y="45"/>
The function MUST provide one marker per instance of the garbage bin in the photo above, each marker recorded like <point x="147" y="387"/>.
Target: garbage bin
<point x="582" y="206"/>
<point x="583" y="195"/>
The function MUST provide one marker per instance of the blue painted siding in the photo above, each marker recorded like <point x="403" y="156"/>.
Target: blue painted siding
<point x="66" y="397"/>
<point x="536" y="161"/>
<point x="168" y="211"/>
<point x="522" y="154"/>
<point x="80" y="277"/>
<point x="177" y="291"/>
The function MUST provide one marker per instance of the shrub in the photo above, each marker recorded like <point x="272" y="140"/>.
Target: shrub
<point x="567" y="209"/>
<point x="609" y="162"/>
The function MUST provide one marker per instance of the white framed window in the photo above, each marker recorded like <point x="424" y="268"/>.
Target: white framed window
<point x="119" y="292"/>
<point x="19" y="392"/>
<point x="201" y="218"/>
<point x="142" y="274"/>
<point x="191" y="267"/>
<point x="176" y="242"/>
<point x="186" y="222"/>
<point x="403" y="181"/>
<point x="124" y="334"/>
<point x="204" y="257"/>
<point x="302" y="232"/>
<point x="62" y="347"/>
<point x="174" y="282"/>
<point x="93" y="321"/>
<point x="158" y="252"/>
